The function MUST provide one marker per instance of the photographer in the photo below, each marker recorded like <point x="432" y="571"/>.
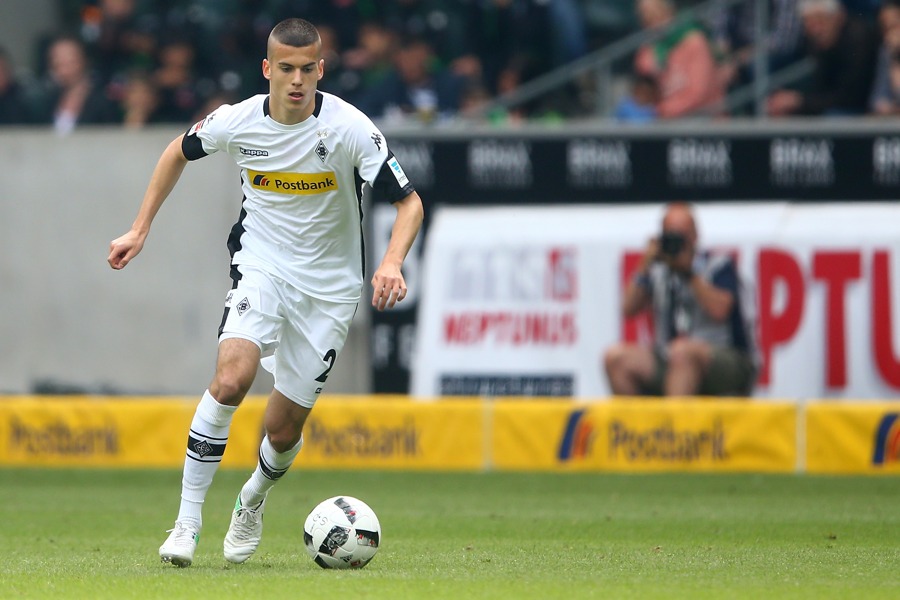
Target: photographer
<point x="703" y="340"/>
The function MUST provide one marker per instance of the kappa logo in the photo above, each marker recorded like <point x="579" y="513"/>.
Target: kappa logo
<point x="202" y="448"/>
<point x="253" y="151"/>
<point x="376" y="137"/>
<point x="243" y="306"/>
<point x="321" y="150"/>
<point x="578" y="437"/>
<point x="887" y="440"/>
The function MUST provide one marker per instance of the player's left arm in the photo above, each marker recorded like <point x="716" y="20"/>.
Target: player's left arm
<point x="378" y="166"/>
<point x="388" y="284"/>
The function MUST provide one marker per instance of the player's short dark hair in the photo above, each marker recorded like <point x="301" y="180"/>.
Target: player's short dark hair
<point x="298" y="33"/>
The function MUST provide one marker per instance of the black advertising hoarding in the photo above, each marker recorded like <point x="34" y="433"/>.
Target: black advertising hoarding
<point x="795" y="161"/>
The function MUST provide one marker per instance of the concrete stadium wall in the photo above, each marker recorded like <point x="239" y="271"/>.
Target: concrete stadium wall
<point x="68" y="321"/>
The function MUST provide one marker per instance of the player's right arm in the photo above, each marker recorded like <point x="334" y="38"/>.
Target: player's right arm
<point x="166" y="174"/>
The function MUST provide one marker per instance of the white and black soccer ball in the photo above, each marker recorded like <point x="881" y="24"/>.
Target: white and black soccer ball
<point x="342" y="533"/>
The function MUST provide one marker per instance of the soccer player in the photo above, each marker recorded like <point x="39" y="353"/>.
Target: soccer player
<point x="297" y="265"/>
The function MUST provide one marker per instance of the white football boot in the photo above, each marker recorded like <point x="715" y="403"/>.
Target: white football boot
<point x="244" y="532"/>
<point x="179" y="547"/>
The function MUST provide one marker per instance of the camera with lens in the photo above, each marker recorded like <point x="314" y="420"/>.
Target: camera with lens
<point x="672" y="243"/>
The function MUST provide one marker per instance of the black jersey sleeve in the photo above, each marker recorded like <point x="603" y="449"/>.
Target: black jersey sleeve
<point x="389" y="185"/>
<point x="192" y="146"/>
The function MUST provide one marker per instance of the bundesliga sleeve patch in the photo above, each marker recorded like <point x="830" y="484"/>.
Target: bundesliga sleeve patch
<point x="397" y="170"/>
<point x="197" y="127"/>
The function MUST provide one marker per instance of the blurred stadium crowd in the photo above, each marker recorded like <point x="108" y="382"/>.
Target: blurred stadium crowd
<point x="139" y="62"/>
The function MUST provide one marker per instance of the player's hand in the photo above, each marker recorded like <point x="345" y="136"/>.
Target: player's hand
<point x="123" y="249"/>
<point x="389" y="287"/>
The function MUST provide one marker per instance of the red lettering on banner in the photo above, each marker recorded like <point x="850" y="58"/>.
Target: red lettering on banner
<point x="882" y="323"/>
<point x="513" y="329"/>
<point x="562" y="274"/>
<point x="782" y="284"/>
<point x="777" y="266"/>
<point x="638" y="328"/>
<point x="836" y="269"/>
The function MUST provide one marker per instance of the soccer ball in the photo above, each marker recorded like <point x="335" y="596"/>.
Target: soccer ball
<point x="342" y="533"/>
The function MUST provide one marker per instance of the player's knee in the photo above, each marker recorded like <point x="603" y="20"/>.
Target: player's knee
<point x="283" y="439"/>
<point x="230" y="388"/>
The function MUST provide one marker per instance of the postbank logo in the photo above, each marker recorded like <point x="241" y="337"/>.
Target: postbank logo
<point x="295" y="184"/>
<point x="578" y="437"/>
<point x="363" y="440"/>
<point x="887" y="440"/>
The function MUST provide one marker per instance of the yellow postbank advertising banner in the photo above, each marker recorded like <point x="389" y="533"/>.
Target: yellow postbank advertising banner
<point x="642" y="435"/>
<point x="397" y="432"/>
<point x="857" y="437"/>
<point x="114" y="432"/>
<point x="354" y="432"/>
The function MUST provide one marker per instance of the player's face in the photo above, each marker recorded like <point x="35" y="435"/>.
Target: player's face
<point x="293" y="74"/>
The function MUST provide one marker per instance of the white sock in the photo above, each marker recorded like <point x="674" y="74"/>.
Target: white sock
<point x="272" y="465"/>
<point x="205" y="447"/>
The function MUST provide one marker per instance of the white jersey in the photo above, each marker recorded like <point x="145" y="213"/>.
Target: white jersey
<point x="301" y="217"/>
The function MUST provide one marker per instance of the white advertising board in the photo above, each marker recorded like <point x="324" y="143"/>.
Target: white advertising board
<point x="525" y="300"/>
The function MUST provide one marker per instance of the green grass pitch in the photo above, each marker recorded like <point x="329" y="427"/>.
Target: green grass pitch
<point x="95" y="533"/>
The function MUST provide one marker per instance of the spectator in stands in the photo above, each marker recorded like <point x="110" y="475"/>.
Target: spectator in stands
<point x="119" y="39"/>
<point x="214" y="101"/>
<point x="640" y="105"/>
<point x="341" y="81"/>
<point x="14" y="109"/>
<point x="550" y="107"/>
<point x="441" y="22"/>
<point x="682" y="62"/>
<point x="866" y="9"/>
<point x="485" y="39"/>
<point x="176" y="80"/>
<point x="885" y="99"/>
<point x="608" y="20"/>
<point x="474" y="102"/>
<point x="140" y="101"/>
<point x="344" y="16"/>
<point x="417" y="87"/>
<point x="734" y="32"/>
<point x="371" y="58"/>
<point x="503" y="35"/>
<point x="703" y="338"/>
<point x="568" y="30"/>
<point x="845" y="49"/>
<point x="72" y="96"/>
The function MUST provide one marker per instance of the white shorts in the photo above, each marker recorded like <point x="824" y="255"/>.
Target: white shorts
<point x="300" y="337"/>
